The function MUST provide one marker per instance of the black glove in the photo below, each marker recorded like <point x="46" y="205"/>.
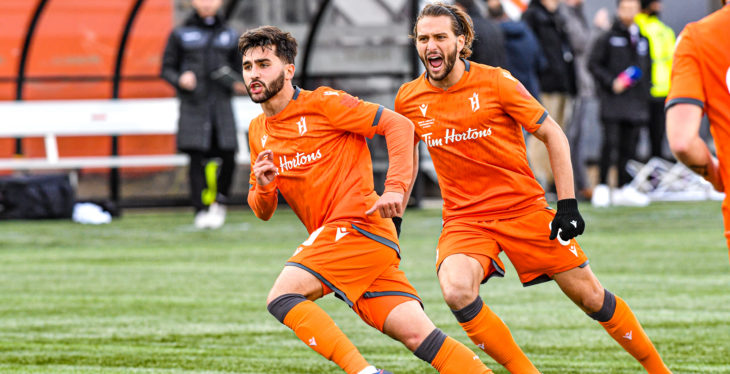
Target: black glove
<point x="567" y="221"/>
<point x="397" y="221"/>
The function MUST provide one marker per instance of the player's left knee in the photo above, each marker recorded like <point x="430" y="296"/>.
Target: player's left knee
<point x="430" y="346"/>
<point x="605" y="312"/>
<point x="281" y="305"/>
<point x="594" y="300"/>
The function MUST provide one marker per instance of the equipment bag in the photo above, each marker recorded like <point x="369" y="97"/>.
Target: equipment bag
<point x="36" y="197"/>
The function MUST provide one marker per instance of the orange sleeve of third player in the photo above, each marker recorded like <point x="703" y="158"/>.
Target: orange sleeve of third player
<point x="398" y="132"/>
<point x="686" y="85"/>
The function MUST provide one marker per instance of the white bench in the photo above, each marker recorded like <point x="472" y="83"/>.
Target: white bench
<point x="53" y="119"/>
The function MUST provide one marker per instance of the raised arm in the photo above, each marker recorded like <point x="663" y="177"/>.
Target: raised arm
<point x="262" y="195"/>
<point x="398" y="132"/>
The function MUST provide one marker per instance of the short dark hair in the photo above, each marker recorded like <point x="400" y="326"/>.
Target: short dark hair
<point x="461" y="23"/>
<point x="266" y="36"/>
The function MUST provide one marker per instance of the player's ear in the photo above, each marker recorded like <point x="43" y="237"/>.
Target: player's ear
<point x="289" y="70"/>
<point x="460" y="42"/>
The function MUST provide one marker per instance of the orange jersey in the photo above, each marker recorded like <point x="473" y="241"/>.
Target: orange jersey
<point x="323" y="162"/>
<point x="701" y="76"/>
<point x="473" y="132"/>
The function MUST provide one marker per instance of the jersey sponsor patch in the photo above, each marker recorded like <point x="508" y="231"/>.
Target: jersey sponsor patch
<point x="523" y="91"/>
<point x="349" y="101"/>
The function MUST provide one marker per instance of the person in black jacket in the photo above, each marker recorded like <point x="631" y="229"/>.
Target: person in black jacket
<point x="488" y="45"/>
<point x="202" y="62"/>
<point x="621" y="66"/>
<point x="524" y="56"/>
<point x="557" y="81"/>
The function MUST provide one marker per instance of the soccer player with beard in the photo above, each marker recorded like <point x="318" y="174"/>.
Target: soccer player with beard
<point x="310" y="146"/>
<point x="471" y="117"/>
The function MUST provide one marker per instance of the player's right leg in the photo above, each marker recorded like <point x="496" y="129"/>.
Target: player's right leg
<point x="392" y="306"/>
<point x="409" y="324"/>
<point x="290" y="301"/>
<point x="460" y="277"/>
<point x="584" y="289"/>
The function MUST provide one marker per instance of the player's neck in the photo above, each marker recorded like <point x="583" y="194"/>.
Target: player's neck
<point x="278" y="102"/>
<point x="454" y="76"/>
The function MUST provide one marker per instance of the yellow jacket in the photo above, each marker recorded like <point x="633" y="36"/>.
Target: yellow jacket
<point x="661" y="45"/>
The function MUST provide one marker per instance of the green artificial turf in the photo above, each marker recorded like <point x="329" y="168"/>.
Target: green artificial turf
<point x="150" y="294"/>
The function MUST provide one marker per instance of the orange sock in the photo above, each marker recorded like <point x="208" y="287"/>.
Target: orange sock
<point x="492" y="336"/>
<point x="448" y="356"/>
<point x="622" y="325"/>
<point x="318" y="331"/>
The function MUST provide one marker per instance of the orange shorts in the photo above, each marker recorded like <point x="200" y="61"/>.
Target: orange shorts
<point x="361" y="268"/>
<point x="525" y="241"/>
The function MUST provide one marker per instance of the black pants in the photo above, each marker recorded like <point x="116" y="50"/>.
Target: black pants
<point x="657" y="125"/>
<point x="619" y="141"/>
<point x="578" y="121"/>
<point x="196" y="172"/>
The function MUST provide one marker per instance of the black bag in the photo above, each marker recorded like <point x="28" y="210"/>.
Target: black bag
<point x="36" y="197"/>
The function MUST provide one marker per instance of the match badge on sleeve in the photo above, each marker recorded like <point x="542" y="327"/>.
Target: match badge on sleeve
<point x="349" y="101"/>
<point x="509" y="76"/>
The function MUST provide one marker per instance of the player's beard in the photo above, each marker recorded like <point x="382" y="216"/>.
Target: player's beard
<point x="449" y="62"/>
<point x="270" y="90"/>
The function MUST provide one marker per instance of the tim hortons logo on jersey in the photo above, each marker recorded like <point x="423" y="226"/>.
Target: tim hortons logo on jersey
<point x="299" y="160"/>
<point x="423" y="108"/>
<point x="474" y="99"/>
<point x="453" y="137"/>
<point x="263" y="140"/>
<point x="302" y="123"/>
<point x="331" y="93"/>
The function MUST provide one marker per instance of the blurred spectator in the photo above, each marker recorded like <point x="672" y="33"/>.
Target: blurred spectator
<point x="620" y="64"/>
<point x="557" y="81"/>
<point x="202" y="62"/>
<point x="585" y="110"/>
<point x="661" y="45"/>
<point x="524" y="57"/>
<point x="488" y="45"/>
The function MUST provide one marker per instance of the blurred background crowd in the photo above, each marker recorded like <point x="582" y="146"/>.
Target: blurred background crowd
<point x="600" y="67"/>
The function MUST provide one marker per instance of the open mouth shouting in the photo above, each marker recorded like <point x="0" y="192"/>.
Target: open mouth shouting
<point x="256" y="87"/>
<point x="435" y="62"/>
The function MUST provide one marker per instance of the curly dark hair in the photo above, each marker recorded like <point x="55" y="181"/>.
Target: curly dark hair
<point x="266" y="36"/>
<point x="461" y="23"/>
